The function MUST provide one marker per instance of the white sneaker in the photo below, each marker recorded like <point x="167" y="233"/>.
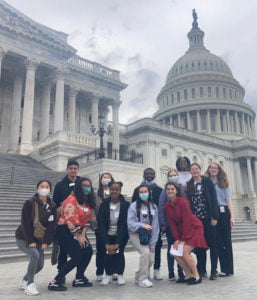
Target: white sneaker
<point x="157" y="275"/>
<point x="99" y="277"/>
<point x="31" y="290"/>
<point x="23" y="284"/>
<point x="114" y="277"/>
<point x="145" y="283"/>
<point x="121" y="280"/>
<point x="107" y="279"/>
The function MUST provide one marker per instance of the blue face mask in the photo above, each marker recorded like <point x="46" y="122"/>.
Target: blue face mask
<point x="86" y="190"/>
<point x="149" y="182"/>
<point x="173" y="179"/>
<point x="144" y="196"/>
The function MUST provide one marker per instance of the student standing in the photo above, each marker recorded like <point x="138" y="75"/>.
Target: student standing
<point x="77" y="212"/>
<point x="155" y="191"/>
<point x="226" y="218"/>
<point x="112" y="226"/>
<point x="202" y="196"/>
<point x="39" y="206"/>
<point x="143" y="213"/>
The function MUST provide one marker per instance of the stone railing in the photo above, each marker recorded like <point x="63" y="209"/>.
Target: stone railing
<point x="68" y="137"/>
<point x="93" y="67"/>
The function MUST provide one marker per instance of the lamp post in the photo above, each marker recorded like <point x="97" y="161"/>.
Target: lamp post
<point x="101" y="131"/>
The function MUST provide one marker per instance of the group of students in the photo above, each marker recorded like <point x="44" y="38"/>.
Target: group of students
<point x="194" y="211"/>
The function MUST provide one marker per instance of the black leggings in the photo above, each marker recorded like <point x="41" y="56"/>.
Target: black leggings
<point x="79" y="257"/>
<point x="100" y="254"/>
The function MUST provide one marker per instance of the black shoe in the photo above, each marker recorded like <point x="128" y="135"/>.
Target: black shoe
<point x="193" y="281"/>
<point x="83" y="282"/>
<point x="214" y="276"/>
<point x="172" y="277"/>
<point x="56" y="286"/>
<point x="182" y="280"/>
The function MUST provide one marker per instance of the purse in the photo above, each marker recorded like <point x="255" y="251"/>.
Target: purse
<point x="144" y="234"/>
<point x="39" y="229"/>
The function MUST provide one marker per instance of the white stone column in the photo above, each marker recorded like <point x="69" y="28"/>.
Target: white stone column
<point x="253" y="128"/>
<point x="218" y="127"/>
<point x="28" y="108"/>
<point x="188" y="121"/>
<point x="72" y="110"/>
<point x="2" y="54"/>
<point x="237" y="172"/>
<point x="115" y="124"/>
<point x="208" y="121"/>
<point x="255" y="167"/>
<point x="45" y="109"/>
<point x="179" y="120"/>
<point x="228" y="121"/>
<point x="16" y="114"/>
<point x="248" y="125"/>
<point x="95" y="111"/>
<point x="250" y="177"/>
<point x="237" y="123"/>
<point x="243" y="123"/>
<point x="59" y="101"/>
<point x="198" y="121"/>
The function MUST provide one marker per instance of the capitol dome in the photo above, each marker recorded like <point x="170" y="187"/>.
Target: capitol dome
<point x="201" y="94"/>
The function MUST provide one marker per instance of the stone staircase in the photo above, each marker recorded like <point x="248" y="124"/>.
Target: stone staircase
<point x="18" y="177"/>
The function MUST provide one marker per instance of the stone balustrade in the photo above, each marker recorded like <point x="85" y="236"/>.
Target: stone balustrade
<point x="93" y="67"/>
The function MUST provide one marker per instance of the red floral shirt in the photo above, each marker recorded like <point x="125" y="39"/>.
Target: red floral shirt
<point x="73" y="213"/>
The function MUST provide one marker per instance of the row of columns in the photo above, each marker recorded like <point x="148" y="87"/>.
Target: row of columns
<point x="28" y="108"/>
<point x="247" y="123"/>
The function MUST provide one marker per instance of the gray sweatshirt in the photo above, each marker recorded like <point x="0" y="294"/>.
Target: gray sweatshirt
<point x="134" y="224"/>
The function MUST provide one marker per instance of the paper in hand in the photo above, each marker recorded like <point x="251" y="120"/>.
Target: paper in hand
<point x="178" y="252"/>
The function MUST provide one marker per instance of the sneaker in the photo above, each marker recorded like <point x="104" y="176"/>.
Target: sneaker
<point x="145" y="283"/>
<point x="121" y="280"/>
<point x="157" y="275"/>
<point x="83" y="282"/>
<point x="31" y="290"/>
<point x="55" y="286"/>
<point x="172" y="277"/>
<point x="99" y="277"/>
<point x="23" y="284"/>
<point x="114" y="277"/>
<point x="107" y="279"/>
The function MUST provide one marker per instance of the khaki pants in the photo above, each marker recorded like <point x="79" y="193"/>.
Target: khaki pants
<point x="146" y="257"/>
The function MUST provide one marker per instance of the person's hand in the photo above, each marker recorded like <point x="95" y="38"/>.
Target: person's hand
<point x="44" y="246"/>
<point x="32" y="245"/>
<point x="175" y="245"/>
<point x="110" y="249"/>
<point x="152" y="250"/>
<point x="82" y="240"/>
<point x="147" y="227"/>
<point x="232" y="222"/>
<point x="213" y="222"/>
<point x="181" y="243"/>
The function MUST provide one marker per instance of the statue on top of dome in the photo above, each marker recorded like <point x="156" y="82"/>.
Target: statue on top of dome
<point x="195" y="23"/>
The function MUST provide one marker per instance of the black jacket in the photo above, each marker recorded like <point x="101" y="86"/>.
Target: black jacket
<point x="210" y="196"/>
<point x="103" y="219"/>
<point x="63" y="189"/>
<point x="155" y="191"/>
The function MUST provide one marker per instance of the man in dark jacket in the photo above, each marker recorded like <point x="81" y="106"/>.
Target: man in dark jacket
<point x="62" y="190"/>
<point x="149" y="177"/>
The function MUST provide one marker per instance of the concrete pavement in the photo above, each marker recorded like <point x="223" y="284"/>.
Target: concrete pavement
<point x="243" y="285"/>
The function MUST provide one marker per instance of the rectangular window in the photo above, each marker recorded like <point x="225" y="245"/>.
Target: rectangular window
<point x="178" y="96"/>
<point x="224" y="93"/>
<point x="164" y="152"/>
<point x="217" y="91"/>
<point x="172" y="99"/>
<point x="193" y="93"/>
<point x="230" y="94"/>
<point x="209" y="91"/>
<point x="185" y="94"/>
<point x="201" y="92"/>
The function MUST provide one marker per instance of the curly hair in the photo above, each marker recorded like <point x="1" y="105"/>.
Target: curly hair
<point x="81" y="197"/>
<point x="100" y="191"/>
<point x="222" y="177"/>
<point x="178" y="163"/>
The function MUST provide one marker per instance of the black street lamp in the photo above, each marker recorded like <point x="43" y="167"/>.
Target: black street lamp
<point x="101" y="132"/>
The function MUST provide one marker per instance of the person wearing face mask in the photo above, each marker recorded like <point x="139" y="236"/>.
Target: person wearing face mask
<point x="77" y="213"/>
<point x="42" y="206"/>
<point x="103" y="193"/>
<point x="172" y="177"/>
<point x="143" y="213"/>
<point x="184" y="175"/>
<point x="155" y="191"/>
<point x="112" y="225"/>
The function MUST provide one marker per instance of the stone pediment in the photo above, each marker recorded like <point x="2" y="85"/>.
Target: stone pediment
<point x="11" y="20"/>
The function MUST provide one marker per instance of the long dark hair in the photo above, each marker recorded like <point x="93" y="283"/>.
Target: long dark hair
<point x="139" y="202"/>
<point x="100" y="191"/>
<point x="81" y="197"/>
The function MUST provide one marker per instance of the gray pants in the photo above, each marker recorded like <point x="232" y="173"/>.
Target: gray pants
<point x="36" y="259"/>
<point x="146" y="257"/>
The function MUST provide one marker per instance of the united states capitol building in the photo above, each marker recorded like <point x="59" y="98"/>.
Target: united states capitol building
<point x="50" y="97"/>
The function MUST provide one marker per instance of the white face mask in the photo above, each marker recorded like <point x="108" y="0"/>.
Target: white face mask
<point x="43" y="192"/>
<point x="105" y="181"/>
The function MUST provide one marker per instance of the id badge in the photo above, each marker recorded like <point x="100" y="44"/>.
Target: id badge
<point x="222" y="209"/>
<point x="71" y="184"/>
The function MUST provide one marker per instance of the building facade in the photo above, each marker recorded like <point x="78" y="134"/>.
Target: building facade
<point x="50" y="97"/>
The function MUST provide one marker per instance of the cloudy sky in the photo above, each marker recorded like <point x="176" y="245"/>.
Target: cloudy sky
<point x="144" y="38"/>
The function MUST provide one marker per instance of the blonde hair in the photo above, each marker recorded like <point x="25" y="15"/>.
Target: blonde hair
<point x="172" y="170"/>
<point x="222" y="177"/>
